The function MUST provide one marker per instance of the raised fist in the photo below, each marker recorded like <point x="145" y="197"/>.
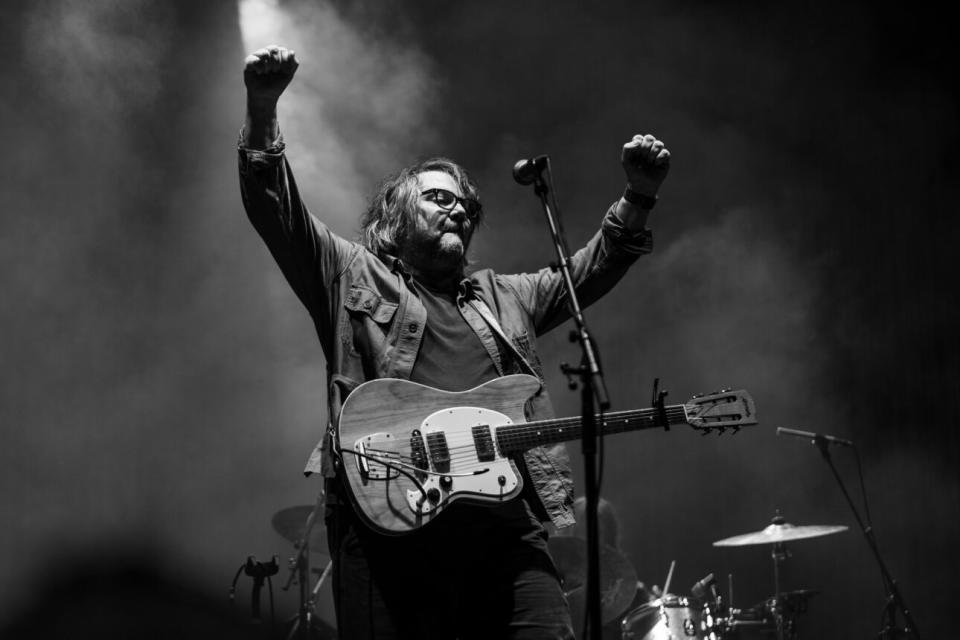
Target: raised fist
<point x="646" y="162"/>
<point x="268" y="71"/>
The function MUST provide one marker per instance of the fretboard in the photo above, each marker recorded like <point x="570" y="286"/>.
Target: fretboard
<point x="515" y="438"/>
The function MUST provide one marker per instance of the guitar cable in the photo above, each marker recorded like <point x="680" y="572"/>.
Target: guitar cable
<point x="399" y="465"/>
<point x="390" y="465"/>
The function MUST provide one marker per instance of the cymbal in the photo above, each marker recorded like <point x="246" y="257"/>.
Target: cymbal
<point x="292" y="522"/>
<point x="618" y="580"/>
<point x="780" y="531"/>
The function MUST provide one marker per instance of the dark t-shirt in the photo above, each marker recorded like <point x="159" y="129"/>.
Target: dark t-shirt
<point x="451" y="356"/>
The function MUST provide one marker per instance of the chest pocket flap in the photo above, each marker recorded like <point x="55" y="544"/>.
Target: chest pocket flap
<point x="369" y="302"/>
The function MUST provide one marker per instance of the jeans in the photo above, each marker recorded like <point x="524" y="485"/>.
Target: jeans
<point x="475" y="573"/>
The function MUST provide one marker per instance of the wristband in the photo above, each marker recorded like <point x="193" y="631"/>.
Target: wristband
<point x="638" y="199"/>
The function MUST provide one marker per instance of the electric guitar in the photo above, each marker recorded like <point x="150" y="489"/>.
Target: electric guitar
<point x="409" y="451"/>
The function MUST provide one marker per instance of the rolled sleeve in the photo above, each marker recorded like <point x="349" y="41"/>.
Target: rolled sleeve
<point x="307" y="252"/>
<point x="635" y="243"/>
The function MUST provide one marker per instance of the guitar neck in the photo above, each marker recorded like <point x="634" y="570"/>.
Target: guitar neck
<point x="516" y="438"/>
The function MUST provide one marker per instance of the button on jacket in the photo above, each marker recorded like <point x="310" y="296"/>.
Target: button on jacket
<point x="370" y="320"/>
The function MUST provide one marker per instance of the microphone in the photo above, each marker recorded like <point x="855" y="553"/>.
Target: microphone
<point x="528" y="170"/>
<point x="816" y="438"/>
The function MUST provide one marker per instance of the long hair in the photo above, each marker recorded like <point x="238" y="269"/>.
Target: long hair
<point x="390" y="211"/>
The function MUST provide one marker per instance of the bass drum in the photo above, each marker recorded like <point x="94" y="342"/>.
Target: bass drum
<point x="669" y="618"/>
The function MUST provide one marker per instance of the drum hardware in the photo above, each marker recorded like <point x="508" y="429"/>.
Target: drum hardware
<point x="297" y="524"/>
<point x="705" y="615"/>
<point x="782" y="609"/>
<point x="777" y="533"/>
<point x="306" y="624"/>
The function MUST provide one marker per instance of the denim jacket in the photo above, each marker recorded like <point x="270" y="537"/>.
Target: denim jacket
<point x="370" y="320"/>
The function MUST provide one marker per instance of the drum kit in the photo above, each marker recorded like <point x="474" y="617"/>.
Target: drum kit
<point x="705" y="615"/>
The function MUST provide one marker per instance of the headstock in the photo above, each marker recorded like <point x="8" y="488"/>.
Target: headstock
<point x="721" y="410"/>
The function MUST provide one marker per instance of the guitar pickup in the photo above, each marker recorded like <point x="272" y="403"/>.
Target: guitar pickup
<point x="483" y="443"/>
<point x="418" y="454"/>
<point x="439" y="452"/>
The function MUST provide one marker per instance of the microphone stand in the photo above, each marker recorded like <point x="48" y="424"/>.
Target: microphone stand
<point x="592" y="392"/>
<point x="895" y="601"/>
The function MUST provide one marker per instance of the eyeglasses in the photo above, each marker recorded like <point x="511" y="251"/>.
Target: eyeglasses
<point x="447" y="200"/>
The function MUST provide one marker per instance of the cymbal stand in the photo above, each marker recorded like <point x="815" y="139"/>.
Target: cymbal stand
<point x="895" y="601"/>
<point x="300" y="569"/>
<point x="303" y="623"/>
<point x="779" y="553"/>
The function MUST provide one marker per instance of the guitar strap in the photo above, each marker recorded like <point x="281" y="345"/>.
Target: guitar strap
<point x="481" y="307"/>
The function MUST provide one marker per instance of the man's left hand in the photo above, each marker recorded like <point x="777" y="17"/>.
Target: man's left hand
<point x="646" y="161"/>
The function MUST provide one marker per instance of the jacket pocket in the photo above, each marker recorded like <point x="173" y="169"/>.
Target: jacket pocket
<point x="369" y="302"/>
<point x="367" y="323"/>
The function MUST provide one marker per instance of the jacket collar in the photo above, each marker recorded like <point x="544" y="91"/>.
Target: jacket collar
<point x="467" y="284"/>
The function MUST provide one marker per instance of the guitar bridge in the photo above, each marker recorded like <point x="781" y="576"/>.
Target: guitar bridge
<point x="375" y="455"/>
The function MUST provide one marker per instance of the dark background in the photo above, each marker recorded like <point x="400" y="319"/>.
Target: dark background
<point x="162" y="386"/>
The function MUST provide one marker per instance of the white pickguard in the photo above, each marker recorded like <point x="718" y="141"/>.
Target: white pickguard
<point x="468" y="475"/>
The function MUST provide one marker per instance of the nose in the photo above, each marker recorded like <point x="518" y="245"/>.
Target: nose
<point x="458" y="212"/>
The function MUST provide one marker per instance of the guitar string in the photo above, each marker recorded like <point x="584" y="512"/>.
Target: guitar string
<point x="523" y="435"/>
<point x="462" y="446"/>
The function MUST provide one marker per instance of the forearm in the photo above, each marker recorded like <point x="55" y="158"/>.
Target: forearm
<point x="595" y="268"/>
<point x="308" y="253"/>
<point x="633" y="216"/>
<point x="261" y="128"/>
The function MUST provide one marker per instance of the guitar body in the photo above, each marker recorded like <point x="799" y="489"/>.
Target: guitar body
<point x="410" y="451"/>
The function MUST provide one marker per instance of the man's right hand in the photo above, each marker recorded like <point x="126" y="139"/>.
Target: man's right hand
<point x="267" y="72"/>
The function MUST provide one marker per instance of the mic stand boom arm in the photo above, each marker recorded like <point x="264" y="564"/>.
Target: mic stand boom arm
<point x="593" y="389"/>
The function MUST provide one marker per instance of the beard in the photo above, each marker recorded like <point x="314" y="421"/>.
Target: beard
<point x="450" y="246"/>
<point x="443" y="254"/>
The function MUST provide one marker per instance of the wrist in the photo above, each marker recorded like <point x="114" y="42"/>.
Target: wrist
<point x="261" y="107"/>
<point x="638" y="199"/>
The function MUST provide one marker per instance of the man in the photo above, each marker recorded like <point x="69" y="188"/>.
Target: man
<point x="398" y="304"/>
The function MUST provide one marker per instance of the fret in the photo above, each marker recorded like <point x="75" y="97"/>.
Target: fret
<point x="520" y="437"/>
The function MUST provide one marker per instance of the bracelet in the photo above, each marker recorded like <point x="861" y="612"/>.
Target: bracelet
<point x="638" y="199"/>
